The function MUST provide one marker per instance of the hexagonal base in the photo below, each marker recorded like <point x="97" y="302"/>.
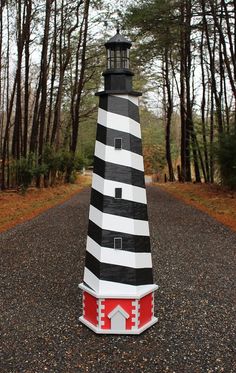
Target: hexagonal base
<point x="118" y="315"/>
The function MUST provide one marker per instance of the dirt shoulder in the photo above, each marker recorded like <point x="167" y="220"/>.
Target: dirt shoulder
<point x="16" y="208"/>
<point x="212" y="199"/>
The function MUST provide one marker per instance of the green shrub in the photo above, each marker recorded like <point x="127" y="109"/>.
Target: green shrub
<point x="61" y="165"/>
<point x="51" y="159"/>
<point x="226" y="154"/>
<point x="24" y="173"/>
<point x="69" y="164"/>
<point x="73" y="177"/>
<point x="40" y="170"/>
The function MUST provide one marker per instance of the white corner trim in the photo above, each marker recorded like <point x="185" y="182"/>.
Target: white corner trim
<point x="100" y="313"/>
<point x="135" y="313"/>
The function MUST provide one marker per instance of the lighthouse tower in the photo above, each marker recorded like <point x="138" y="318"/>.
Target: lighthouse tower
<point x="118" y="288"/>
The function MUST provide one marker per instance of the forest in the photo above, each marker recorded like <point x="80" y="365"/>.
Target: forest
<point x="51" y="60"/>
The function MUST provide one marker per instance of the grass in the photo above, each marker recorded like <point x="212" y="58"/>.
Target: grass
<point x="16" y="208"/>
<point x="212" y="199"/>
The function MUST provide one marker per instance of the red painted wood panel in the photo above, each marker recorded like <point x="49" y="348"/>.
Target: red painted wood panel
<point x="90" y="308"/>
<point x="110" y="304"/>
<point x="145" y="310"/>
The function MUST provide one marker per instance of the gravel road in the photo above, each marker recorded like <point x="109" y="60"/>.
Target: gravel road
<point x="194" y="265"/>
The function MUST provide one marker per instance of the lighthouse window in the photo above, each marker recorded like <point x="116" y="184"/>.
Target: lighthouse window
<point x="118" y="193"/>
<point x="118" y="143"/>
<point x="108" y="58"/>
<point x="118" y="243"/>
<point x="118" y="58"/>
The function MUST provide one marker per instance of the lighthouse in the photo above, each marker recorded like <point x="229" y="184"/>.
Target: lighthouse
<point x="118" y="288"/>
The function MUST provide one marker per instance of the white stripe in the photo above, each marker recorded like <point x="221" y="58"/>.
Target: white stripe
<point x="132" y="99"/>
<point x="129" y="192"/>
<point x="118" y="223"/>
<point x="121" y="157"/>
<point x="118" y="257"/>
<point x="91" y="280"/>
<point x="110" y="288"/>
<point x="119" y="122"/>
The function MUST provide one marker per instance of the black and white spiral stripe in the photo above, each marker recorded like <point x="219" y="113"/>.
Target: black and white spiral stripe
<point x="126" y="218"/>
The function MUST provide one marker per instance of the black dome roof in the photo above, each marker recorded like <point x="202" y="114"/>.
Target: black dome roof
<point x="118" y="39"/>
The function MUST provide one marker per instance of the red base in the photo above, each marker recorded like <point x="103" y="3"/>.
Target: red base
<point x="109" y="315"/>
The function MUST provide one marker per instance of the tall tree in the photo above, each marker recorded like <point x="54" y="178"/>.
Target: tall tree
<point x="27" y="72"/>
<point x="168" y="110"/>
<point x="64" y="56"/>
<point x="157" y="28"/>
<point x="3" y="3"/>
<point x="17" y="133"/>
<point x="44" y="79"/>
<point x="79" y="77"/>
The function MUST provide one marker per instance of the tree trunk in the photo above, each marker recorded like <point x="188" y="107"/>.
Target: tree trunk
<point x="168" y="116"/>
<point x="182" y="99"/>
<point x="17" y="131"/>
<point x="27" y="70"/>
<point x="64" y="59"/>
<point x="187" y="71"/>
<point x="211" y="53"/>
<point x="76" y="109"/>
<point x="44" y="78"/>
<point x="1" y="114"/>
<point x="53" y="74"/>
<point x="203" y="108"/>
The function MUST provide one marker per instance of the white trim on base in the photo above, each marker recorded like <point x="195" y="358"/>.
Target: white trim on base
<point x="140" y="293"/>
<point x="105" y="331"/>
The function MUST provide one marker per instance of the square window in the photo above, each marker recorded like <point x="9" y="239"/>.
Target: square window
<point x="118" y="193"/>
<point x="118" y="243"/>
<point x="118" y="143"/>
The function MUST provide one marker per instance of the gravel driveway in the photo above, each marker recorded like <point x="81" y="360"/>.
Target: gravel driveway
<point x="194" y="264"/>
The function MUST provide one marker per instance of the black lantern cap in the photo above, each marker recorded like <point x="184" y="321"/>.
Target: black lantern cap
<point x="118" y="39"/>
<point x="118" y="76"/>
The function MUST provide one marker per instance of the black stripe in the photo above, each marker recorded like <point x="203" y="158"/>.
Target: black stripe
<point x="123" y="174"/>
<point x="130" y="242"/>
<point x="129" y="142"/>
<point x="121" y="106"/>
<point x="121" y="207"/>
<point x="116" y="273"/>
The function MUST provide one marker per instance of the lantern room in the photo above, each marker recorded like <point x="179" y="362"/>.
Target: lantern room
<point x="118" y="77"/>
<point x="118" y="52"/>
